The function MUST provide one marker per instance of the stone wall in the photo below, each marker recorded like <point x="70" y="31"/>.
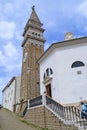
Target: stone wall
<point x="30" y="78"/>
<point x="44" y="118"/>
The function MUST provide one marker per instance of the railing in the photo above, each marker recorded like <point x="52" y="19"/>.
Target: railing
<point x="75" y="116"/>
<point x="56" y="107"/>
<point x="35" y="102"/>
<point x="69" y="113"/>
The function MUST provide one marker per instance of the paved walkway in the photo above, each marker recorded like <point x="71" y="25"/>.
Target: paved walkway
<point x="9" y="121"/>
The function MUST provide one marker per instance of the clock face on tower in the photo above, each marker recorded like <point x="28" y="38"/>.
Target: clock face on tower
<point x="25" y="56"/>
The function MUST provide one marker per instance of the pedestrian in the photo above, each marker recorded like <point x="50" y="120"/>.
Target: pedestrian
<point x="84" y="110"/>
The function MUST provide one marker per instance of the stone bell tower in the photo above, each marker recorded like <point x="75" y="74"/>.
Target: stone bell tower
<point x="33" y="48"/>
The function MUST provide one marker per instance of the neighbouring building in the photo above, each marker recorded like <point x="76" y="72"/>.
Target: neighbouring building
<point x="11" y="93"/>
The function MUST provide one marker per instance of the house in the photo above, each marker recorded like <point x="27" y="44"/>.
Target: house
<point x="11" y="93"/>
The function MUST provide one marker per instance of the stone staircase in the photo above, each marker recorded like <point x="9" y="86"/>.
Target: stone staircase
<point x="69" y="114"/>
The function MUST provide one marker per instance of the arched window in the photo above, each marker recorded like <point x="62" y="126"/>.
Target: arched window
<point x="48" y="72"/>
<point x="44" y="76"/>
<point x="51" y="72"/>
<point x="77" y="64"/>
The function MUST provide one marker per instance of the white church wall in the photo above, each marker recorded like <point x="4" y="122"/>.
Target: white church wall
<point x="72" y="86"/>
<point x="49" y="62"/>
<point x="68" y="85"/>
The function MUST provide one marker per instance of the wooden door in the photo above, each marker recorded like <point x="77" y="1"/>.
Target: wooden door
<point x="48" y="90"/>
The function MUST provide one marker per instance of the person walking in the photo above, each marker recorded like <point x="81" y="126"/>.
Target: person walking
<point x="84" y="110"/>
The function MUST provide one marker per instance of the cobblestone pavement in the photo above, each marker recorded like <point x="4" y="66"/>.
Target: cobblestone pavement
<point x="9" y="121"/>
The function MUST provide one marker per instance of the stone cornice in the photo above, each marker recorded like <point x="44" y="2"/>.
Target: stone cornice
<point x="32" y="37"/>
<point x="32" y="26"/>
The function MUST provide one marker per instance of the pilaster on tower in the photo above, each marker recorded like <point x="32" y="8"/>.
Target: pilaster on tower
<point x="33" y="48"/>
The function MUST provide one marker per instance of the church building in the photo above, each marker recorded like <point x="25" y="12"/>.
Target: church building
<point x="60" y="71"/>
<point x="63" y="71"/>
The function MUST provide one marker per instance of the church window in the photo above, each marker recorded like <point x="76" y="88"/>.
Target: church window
<point x="48" y="72"/>
<point x="51" y="72"/>
<point x="44" y="76"/>
<point x="39" y="35"/>
<point x="77" y="64"/>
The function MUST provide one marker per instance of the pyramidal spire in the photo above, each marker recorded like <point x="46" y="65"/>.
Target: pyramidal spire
<point x="34" y="16"/>
<point x="33" y="27"/>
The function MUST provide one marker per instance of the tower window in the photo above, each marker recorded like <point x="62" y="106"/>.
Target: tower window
<point x="77" y="64"/>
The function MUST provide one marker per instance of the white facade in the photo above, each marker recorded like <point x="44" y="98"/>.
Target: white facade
<point x="11" y="93"/>
<point x="68" y="84"/>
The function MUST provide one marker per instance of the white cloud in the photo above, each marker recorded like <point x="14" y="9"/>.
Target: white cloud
<point x="10" y="57"/>
<point x="10" y="50"/>
<point x="18" y="36"/>
<point x="82" y="8"/>
<point x="7" y="29"/>
<point x="2" y="58"/>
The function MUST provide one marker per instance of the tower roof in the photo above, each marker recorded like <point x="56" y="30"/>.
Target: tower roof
<point x="33" y="21"/>
<point x="34" y="16"/>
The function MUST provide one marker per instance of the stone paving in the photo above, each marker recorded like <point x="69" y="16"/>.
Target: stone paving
<point x="9" y="121"/>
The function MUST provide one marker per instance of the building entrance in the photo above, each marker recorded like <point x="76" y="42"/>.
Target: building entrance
<point x="48" y="90"/>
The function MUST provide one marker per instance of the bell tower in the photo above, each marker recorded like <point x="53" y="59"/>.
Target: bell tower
<point x="33" y="48"/>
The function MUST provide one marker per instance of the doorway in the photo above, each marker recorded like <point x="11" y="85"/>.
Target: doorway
<point x="48" y="90"/>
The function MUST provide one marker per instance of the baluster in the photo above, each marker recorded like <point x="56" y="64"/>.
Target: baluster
<point x="66" y="113"/>
<point x="73" y="114"/>
<point x="67" y="117"/>
<point x="76" y="116"/>
<point x="69" y="113"/>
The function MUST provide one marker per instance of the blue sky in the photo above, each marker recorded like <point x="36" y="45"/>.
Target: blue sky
<point x="58" y="17"/>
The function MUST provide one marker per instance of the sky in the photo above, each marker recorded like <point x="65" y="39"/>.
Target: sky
<point x="58" y="17"/>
